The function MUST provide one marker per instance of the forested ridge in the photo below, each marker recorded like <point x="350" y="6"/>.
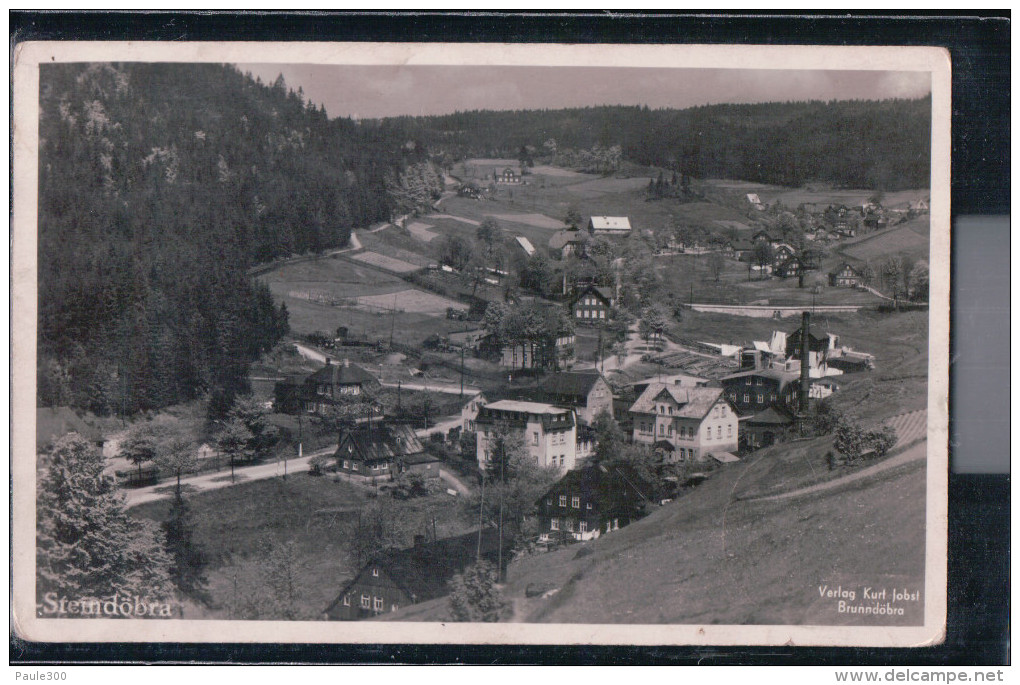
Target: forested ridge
<point x="883" y="145"/>
<point x="159" y="186"/>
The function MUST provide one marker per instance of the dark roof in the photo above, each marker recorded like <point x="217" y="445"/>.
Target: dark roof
<point x="694" y="403"/>
<point x="424" y="571"/>
<point x="773" y="416"/>
<point x="574" y="384"/>
<point x="341" y="374"/>
<point x="784" y="377"/>
<point x="610" y="485"/>
<point x="419" y="458"/>
<point x="605" y="294"/>
<point x="742" y="245"/>
<point x="375" y="442"/>
<point x="842" y="268"/>
<point x="562" y="238"/>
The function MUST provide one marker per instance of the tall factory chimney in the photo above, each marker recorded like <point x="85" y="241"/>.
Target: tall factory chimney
<point x="805" y="371"/>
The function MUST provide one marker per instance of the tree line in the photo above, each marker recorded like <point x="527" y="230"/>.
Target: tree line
<point x="851" y="143"/>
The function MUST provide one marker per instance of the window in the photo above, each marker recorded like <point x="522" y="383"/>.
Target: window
<point x="347" y="464"/>
<point x="747" y="397"/>
<point x="729" y="430"/>
<point x="588" y="506"/>
<point x="366" y="602"/>
<point x="683" y="454"/>
<point x="772" y="397"/>
<point x="575" y="502"/>
<point x="394" y="607"/>
<point x="748" y="380"/>
<point x="616" y="524"/>
<point x="548" y="502"/>
<point x="375" y="573"/>
<point x="554" y="524"/>
<point x="670" y="429"/>
<point x="602" y="315"/>
<point x="377" y="603"/>
<point x="579" y="313"/>
<point x="583" y="526"/>
<point x="534" y="438"/>
<point x="761" y="398"/>
<point x="563" y="500"/>
<point x="354" y="466"/>
<point x="757" y="381"/>
<point x="662" y="429"/>
<point x="347" y="600"/>
<point x="718" y="432"/>
<point x="708" y="433"/>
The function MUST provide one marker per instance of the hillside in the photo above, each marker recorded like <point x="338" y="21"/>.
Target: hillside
<point x="708" y="558"/>
<point x="160" y="185"/>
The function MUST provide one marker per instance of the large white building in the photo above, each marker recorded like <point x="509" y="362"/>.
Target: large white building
<point x="549" y="433"/>
<point x="688" y="423"/>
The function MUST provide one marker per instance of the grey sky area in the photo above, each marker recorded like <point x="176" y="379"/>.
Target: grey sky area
<point x="381" y="91"/>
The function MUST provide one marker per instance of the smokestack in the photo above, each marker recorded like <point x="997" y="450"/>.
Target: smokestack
<point x="805" y="365"/>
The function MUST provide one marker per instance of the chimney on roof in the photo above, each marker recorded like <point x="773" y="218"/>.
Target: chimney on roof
<point x="805" y="370"/>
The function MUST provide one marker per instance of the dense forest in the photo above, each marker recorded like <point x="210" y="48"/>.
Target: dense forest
<point x="159" y="186"/>
<point x="883" y="145"/>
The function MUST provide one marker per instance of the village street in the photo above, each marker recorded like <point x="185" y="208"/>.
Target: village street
<point x="221" y="479"/>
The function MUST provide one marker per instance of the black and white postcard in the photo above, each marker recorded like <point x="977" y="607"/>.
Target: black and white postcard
<point x="478" y="343"/>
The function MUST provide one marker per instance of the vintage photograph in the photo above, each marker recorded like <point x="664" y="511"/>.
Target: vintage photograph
<point x="491" y="343"/>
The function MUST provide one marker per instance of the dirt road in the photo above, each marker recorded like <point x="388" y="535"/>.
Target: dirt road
<point x="221" y="479"/>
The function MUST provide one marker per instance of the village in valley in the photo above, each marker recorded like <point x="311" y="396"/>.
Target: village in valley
<point x="585" y="389"/>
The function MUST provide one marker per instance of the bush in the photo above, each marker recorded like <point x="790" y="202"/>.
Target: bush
<point x="475" y="597"/>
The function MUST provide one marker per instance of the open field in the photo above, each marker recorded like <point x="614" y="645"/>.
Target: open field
<point x="414" y="301"/>
<point x="333" y="276"/>
<point x="421" y="231"/>
<point x="382" y="261"/>
<point x="536" y="220"/>
<point x="314" y="515"/>
<point x="910" y="240"/>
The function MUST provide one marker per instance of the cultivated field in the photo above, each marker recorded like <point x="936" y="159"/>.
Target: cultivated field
<point x="384" y="262"/>
<point x="421" y="231"/>
<point x="416" y="301"/>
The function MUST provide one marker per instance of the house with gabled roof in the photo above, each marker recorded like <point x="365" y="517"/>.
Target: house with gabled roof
<point x="766" y="427"/>
<point x="549" y="432"/>
<point x="378" y="450"/>
<point x="592" y="304"/>
<point x="756" y="390"/>
<point x="592" y="501"/>
<point x="401" y="577"/>
<point x="789" y="268"/>
<point x="698" y="421"/>
<point x="569" y="242"/>
<point x="845" y="276"/>
<point x="586" y="392"/>
<point x="609" y="225"/>
<point x="319" y="391"/>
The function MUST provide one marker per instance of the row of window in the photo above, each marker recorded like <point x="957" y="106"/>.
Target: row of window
<point x="575" y="501"/>
<point x="760" y="397"/>
<point x="582" y="526"/>
<point x="371" y="603"/>
<point x="588" y="314"/>
<point x="353" y="466"/>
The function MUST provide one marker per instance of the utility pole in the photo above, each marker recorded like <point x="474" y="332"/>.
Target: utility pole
<point x="462" y="369"/>
<point x="393" y="319"/>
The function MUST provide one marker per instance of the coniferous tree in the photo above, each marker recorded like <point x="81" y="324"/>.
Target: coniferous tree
<point x="188" y="561"/>
<point x="86" y="543"/>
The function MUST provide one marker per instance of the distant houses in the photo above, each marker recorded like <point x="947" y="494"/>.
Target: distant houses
<point x="508" y="177"/>
<point x="693" y="423"/>
<point x="846" y="276"/>
<point x="609" y="225"/>
<point x="402" y="577"/>
<point x="592" y="501"/>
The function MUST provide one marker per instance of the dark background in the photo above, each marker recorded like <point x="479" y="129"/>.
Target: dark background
<point x="979" y="46"/>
